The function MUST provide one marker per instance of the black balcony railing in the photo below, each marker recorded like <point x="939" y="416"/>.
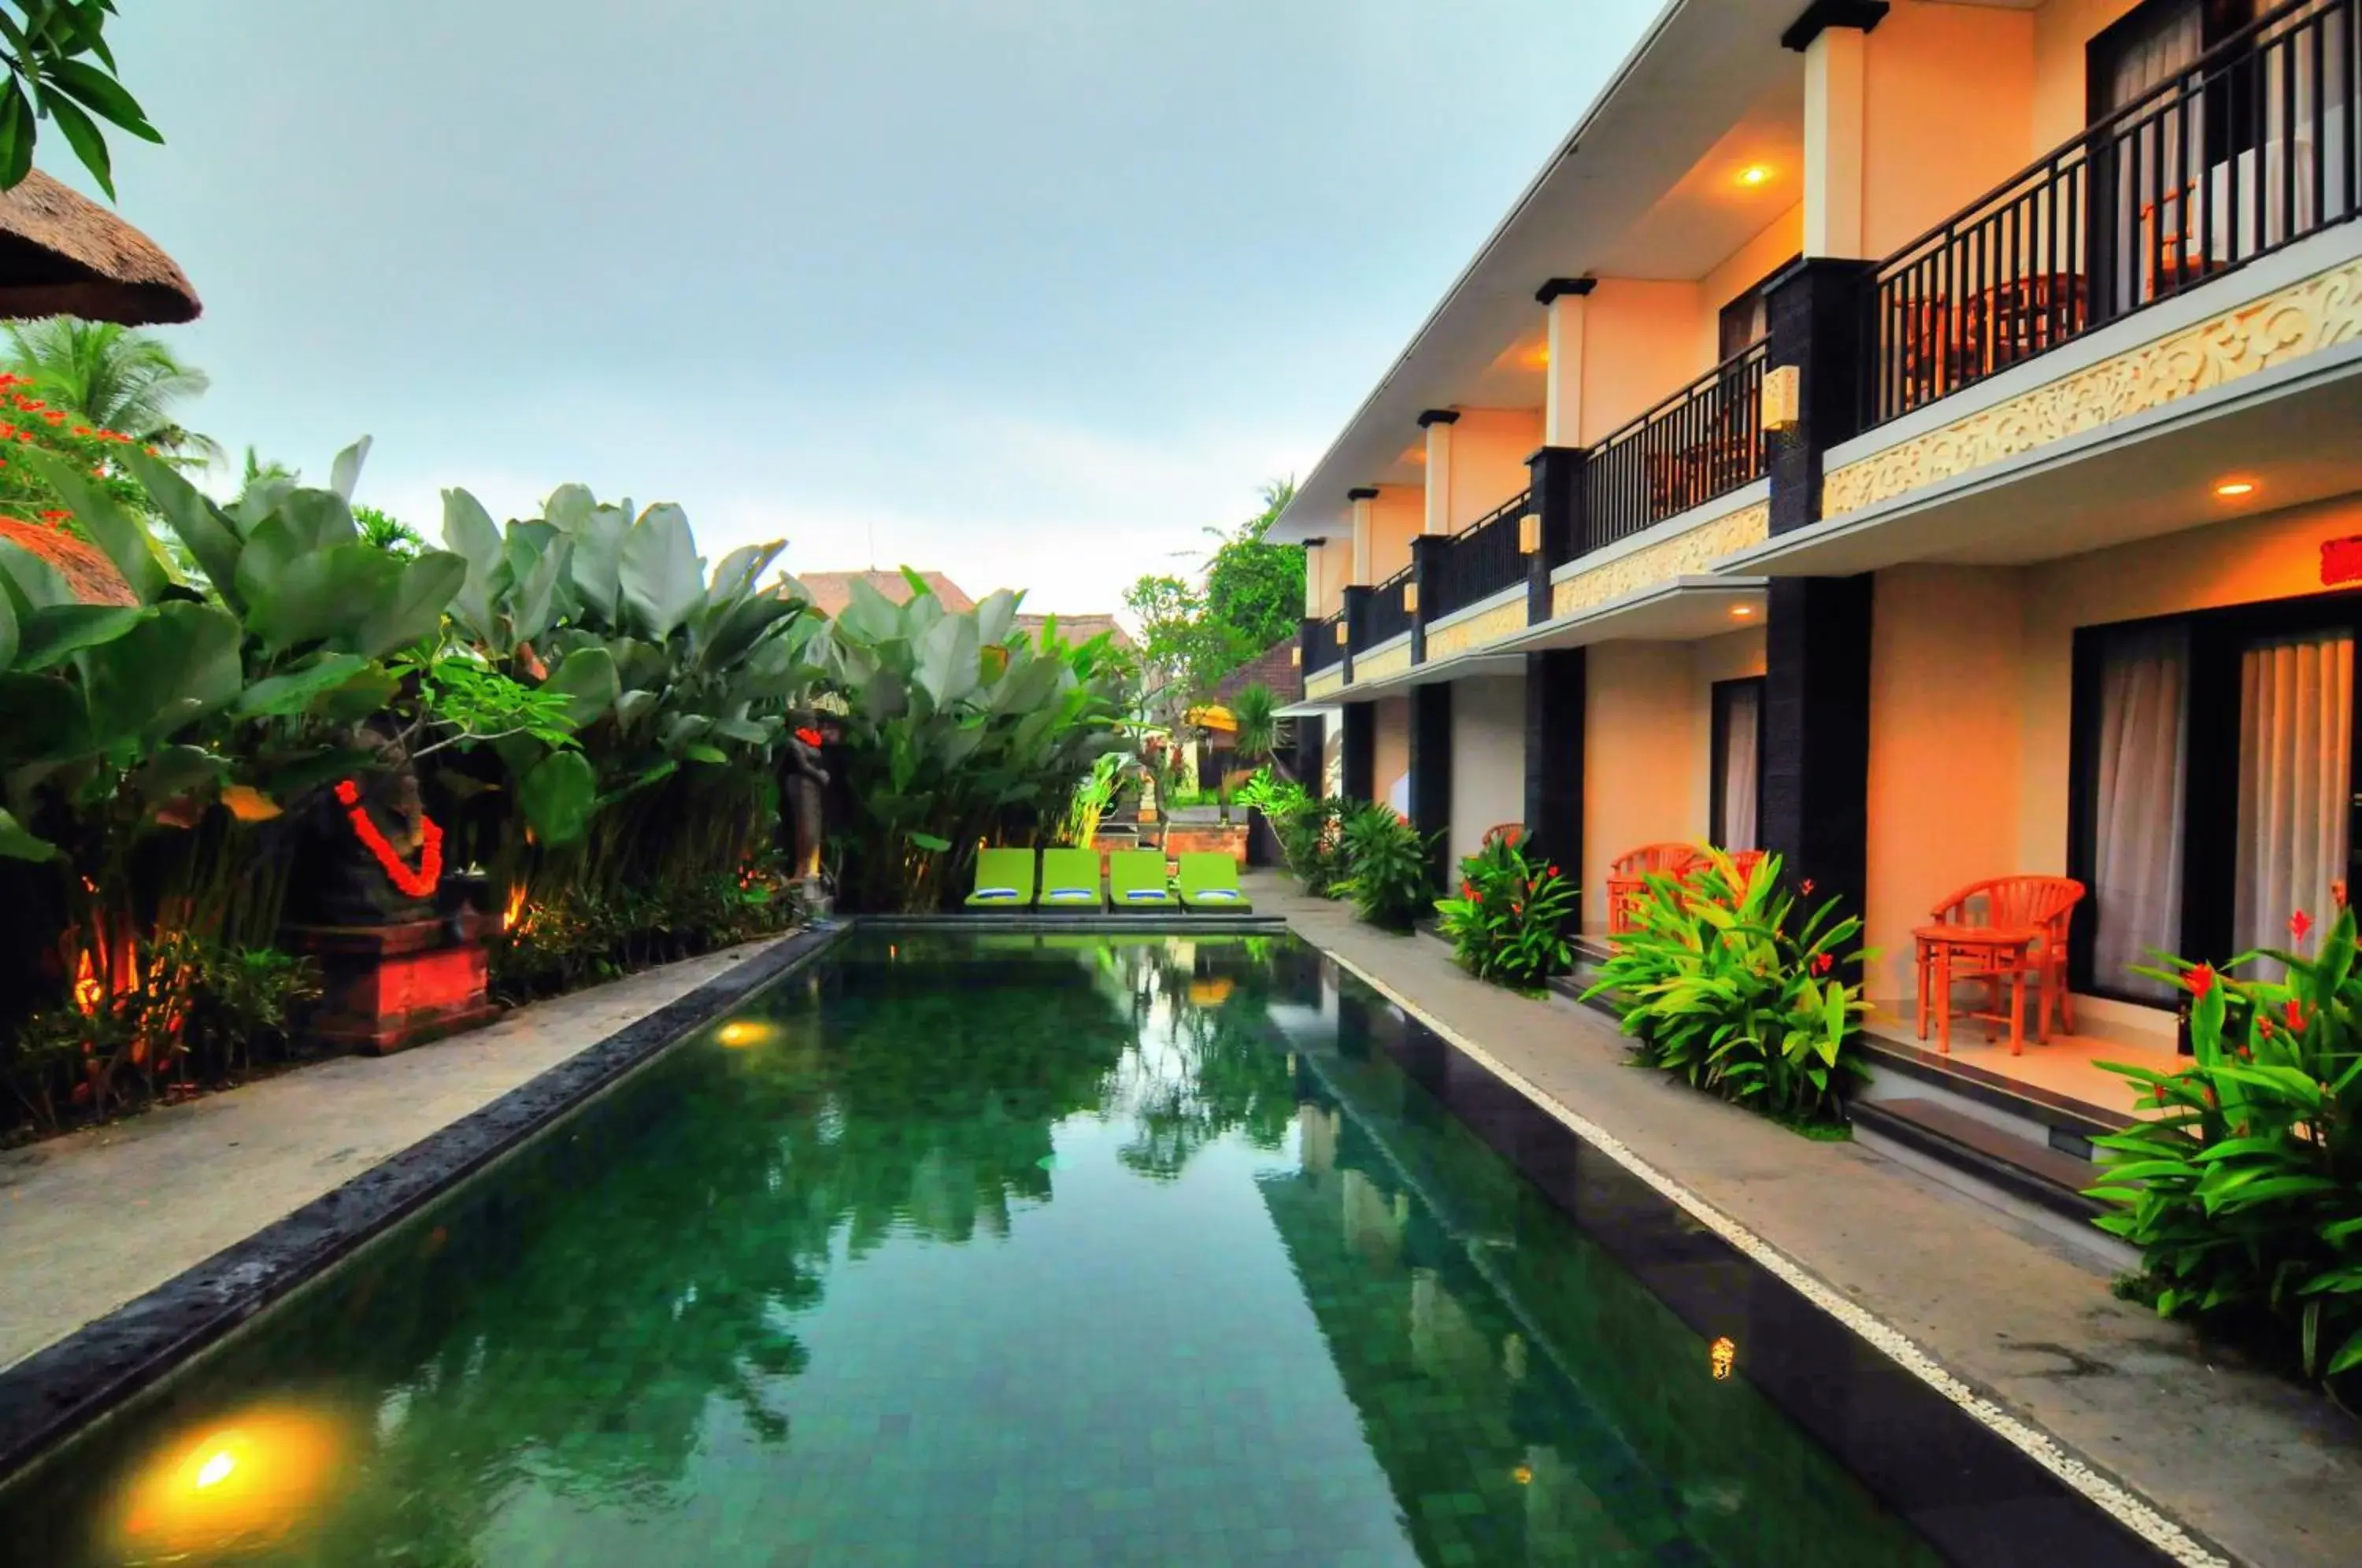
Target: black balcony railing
<point x="1328" y="648"/>
<point x="2254" y="146"/>
<point x="1478" y="561"/>
<point x="1387" y="615"/>
<point x="1704" y="441"/>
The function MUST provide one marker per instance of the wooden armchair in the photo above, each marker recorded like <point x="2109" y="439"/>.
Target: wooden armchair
<point x="2040" y="906"/>
<point x="1510" y="833"/>
<point x="1628" y="874"/>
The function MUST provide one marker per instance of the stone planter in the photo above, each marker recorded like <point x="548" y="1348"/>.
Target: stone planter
<point x="387" y="987"/>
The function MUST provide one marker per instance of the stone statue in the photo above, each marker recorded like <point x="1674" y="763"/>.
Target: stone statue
<point x="373" y="859"/>
<point x="805" y="782"/>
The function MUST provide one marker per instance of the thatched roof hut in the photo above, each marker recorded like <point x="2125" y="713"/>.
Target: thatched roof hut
<point x="84" y="566"/>
<point x="63" y="254"/>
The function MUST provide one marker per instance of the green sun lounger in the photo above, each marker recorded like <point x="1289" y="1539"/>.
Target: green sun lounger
<point x="1136" y="880"/>
<point x="1070" y="881"/>
<point x="1004" y="879"/>
<point x="1209" y="881"/>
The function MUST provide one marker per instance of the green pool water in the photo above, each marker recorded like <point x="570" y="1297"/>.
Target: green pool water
<point x="970" y="1251"/>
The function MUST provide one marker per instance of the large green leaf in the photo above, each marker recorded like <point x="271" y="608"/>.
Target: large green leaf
<point x="297" y="690"/>
<point x="7" y="630"/>
<point x="297" y="595"/>
<point x="596" y="566"/>
<point x="124" y="539"/>
<point x="56" y="632"/>
<point x="319" y="519"/>
<point x="994" y="616"/>
<point x="536" y="555"/>
<point x="948" y="670"/>
<point x="19" y="843"/>
<point x="586" y="678"/>
<point x="176" y="665"/>
<point x="557" y="796"/>
<point x="188" y="514"/>
<point x="568" y="507"/>
<point x="868" y="616"/>
<point x="468" y="531"/>
<point x="345" y="472"/>
<point x="736" y="577"/>
<point x="660" y="575"/>
<point x="414" y="611"/>
<point x="33" y="581"/>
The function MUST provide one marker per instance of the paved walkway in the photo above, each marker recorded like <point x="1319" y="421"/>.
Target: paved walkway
<point x="96" y="1219"/>
<point x="2270" y="1472"/>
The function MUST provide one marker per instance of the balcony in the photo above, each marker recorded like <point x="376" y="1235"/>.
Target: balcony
<point x="1388" y="614"/>
<point x="1702" y="443"/>
<point x="1479" y="562"/>
<point x="2253" y="148"/>
<point x="1327" y="649"/>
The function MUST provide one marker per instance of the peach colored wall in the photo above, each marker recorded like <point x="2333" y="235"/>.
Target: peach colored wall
<point x="1336" y="561"/>
<point x="1644" y="775"/>
<point x="1396" y="517"/>
<point x="1976" y="784"/>
<point x="1734" y="656"/>
<point x="2061" y="29"/>
<point x="1391" y="752"/>
<point x="1782" y="240"/>
<point x="1640" y="345"/>
<point x="1948" y="96"/>
<point x="1944" y="748"/>
<point x="1489" y="449"/>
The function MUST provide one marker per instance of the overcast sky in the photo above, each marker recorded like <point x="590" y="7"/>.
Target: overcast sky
<point x="1034" y="290"/>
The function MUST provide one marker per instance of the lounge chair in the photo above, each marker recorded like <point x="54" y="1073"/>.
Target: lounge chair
<point x="1136" y="880"/>
<point x="1210" y="881"/>
<point x="1070" y="881"/>
<point x="1004" y="879"/>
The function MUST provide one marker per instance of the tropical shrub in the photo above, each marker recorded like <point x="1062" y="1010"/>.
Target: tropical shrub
<point x="1310" y="829"/>
<point x="958" y="727"/>
<point x="2243" y="1193"/>
<point x="1509" y="924"/>
<point x="1720" y="986"/>
<point x="31" y="424"/>
<point x="1079" y="828"/>
<point x="1387" y="874"/>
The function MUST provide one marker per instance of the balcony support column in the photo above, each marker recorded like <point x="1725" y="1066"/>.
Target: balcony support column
<point x="1315" y="566"/>
<point x="1362" y="497"/>
<point x="1311" y="750"/>
<point x="1815" y="778"/>
<point x="1820" y="314"/>
<point x="1555" y="690"/>
<point x="1834" y="38"/>
<point x="1438" y="424"/>
<point x="1556" y="474"/>
<point x="1356" y="623"/>
<point x="1426" y="566"/>
<point x="1430" y="776"/>
<point x="1360" y="747"/>
<point x="1562" y="300"/>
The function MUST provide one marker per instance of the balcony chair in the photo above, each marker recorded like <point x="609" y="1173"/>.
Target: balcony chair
<point x="1628" y="879"/>
<point x="2038" y="907"/>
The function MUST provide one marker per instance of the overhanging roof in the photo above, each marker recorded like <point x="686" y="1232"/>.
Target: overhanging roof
<point x="1634" y="191"/>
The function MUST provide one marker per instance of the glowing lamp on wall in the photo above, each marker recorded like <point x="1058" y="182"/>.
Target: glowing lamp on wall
<point x="1341" y="634"/>
<point x="1721" y="1356"/>
<point x="2340" y="561"/>
<point x="1411" y="599"/>
<point x="1783" y="394"/>
<point x="1529" y="534"/>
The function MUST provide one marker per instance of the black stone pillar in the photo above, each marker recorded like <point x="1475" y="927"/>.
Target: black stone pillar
<point x="1557" y="474"/>
<point x="1815" y="765"/>
<point x="1426" y="556"/>
<point x="1819" y="312"/>
<point x="1555" y="692"/>
<point x="1360" y="750"/>
<point x="1307" y="640"/>
<point x="1431" y="775"/>
<point x="1357" y="618"/>
<point x="1312" y="742"/>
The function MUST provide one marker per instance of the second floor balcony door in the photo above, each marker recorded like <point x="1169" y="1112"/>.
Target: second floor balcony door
<point x="2143" y="166"/>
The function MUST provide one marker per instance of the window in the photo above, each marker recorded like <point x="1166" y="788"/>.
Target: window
<point x="1746" y="320"/>
<point x="1736" y="806"/>
<point x="2213" y="781"/>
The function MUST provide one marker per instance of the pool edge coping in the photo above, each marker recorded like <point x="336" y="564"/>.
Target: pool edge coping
<point x="75" y="1381"/>
<point x="2143" y="1517"/>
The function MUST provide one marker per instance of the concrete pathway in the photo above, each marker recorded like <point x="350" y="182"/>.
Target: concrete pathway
<point x="96" y="1219"/>
<point x="2269" y="1472"/>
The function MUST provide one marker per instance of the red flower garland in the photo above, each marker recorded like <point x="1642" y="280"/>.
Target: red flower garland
<point x="418" y="884"/>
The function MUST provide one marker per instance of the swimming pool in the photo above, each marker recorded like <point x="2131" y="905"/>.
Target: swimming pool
<point x="1041" y="1249"/>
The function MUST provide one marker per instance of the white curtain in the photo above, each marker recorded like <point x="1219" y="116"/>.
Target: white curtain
<point x="2154" y="207"/>
<point x="2137" y="805"/>
<point x="1742" y="728"/>
<point x="2296" y="711"/>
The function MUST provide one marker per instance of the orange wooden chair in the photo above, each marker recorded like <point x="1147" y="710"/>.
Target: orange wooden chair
<point x="2041" y="905"/>
<point x="1628" y="874"/>
<point x="1509" y="833"/>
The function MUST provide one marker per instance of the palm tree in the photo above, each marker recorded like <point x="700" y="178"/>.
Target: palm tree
<point x="113" y="377"/>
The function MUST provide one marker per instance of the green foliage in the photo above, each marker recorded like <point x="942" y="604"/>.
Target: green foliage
<point x="1257" y="713"/>
<point x="387" y="533"/>
<point x="113" y="377"/>
<point x="1310" y="829"/>
<point x="958" y="726"/>
<point x="1090" y="800"/>
<point x="2245" y="1192"/>
<point x="1720" y="986"/>
<point x="1250" y="595"/>
<point x="1385" y="867"/>
<point x="579" y="934"/>
<point x="1509" y="924"/>
<point x="61" y="69"/>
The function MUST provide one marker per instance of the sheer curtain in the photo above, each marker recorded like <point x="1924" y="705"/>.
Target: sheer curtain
<point x="1742" y="728"/>
<point x="2296" y="714"/>
<point x="2152" y="174"/>
<point x="2137" y="805"/>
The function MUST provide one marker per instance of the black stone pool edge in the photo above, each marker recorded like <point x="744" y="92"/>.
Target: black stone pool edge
<point x="1914" y="1434"/>
<point x="55" y="1392"/>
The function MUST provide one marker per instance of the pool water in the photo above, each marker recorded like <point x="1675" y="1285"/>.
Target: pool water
<point x="969" y="1250"/>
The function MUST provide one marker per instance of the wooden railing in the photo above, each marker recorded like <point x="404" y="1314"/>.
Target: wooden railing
<point x="1479" y="562"/>
<point x="1704" y="441"/>
<point x="1387" y="615"/>
<point x="2255" y="147"/>
<point x="1328" y="648"/>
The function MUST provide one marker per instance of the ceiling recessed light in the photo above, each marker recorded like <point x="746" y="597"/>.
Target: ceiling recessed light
<point x="1754" y="175"/>
<point x="2233" y="489"/>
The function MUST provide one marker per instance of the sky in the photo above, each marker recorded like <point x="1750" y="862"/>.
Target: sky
<point x="1028" y="292"/>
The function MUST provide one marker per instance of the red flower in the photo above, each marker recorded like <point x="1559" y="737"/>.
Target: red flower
<point x="1553" y="871"/>
<point x="1516" y="909"/>
<point x="2158" y="1090"/>
<point x="55" y="516"/>
<point x="1467" y="889"/>
<point x="82" y="429"/>
<point x="2337" y="892"/>
<point x="2212" y="1099"/>
<point x="809" y="736"/>
<point x="1475" y="897"/>
<point x="1823" y="963"/>
<point x="2298" y="925"/>
<point x="2199" y="979"/>
<point x="2294" y="1013"/>
<point x="1805" y="886"/>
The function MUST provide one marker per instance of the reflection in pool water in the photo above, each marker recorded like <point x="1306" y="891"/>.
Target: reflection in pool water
<point x="971" y="1250"/>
